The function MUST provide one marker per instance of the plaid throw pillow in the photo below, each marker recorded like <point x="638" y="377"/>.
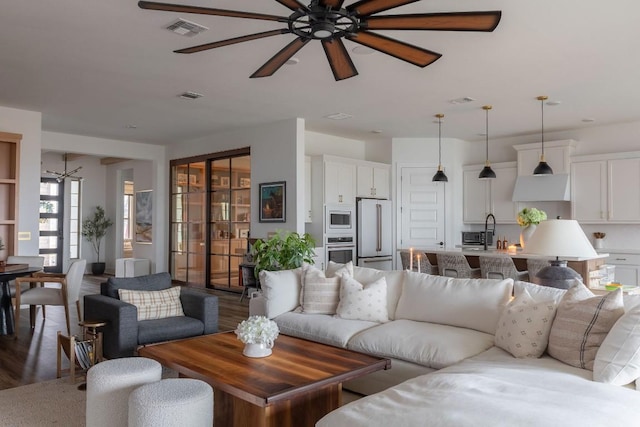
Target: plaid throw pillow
<point x="154" y="304"/>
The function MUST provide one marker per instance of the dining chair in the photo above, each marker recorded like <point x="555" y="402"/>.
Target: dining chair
<point x="66" y="294"/>
<point x="31" y="261"/>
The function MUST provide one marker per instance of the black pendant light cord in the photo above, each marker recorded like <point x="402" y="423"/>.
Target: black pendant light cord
<point x="542" y="129"/>
<point x="487" y="133"/>
<point x="439" y="142"/>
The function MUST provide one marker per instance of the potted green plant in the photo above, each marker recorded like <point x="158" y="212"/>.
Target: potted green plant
<point x="284" y="250"/>
<point x="528" y="219"/>
<point x="94" y="228"/>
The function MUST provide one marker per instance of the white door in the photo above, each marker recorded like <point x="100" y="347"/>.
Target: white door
<point x="422" y="222"/>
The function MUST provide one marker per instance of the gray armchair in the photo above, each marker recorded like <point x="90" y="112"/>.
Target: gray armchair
<point x="124" y="333"/>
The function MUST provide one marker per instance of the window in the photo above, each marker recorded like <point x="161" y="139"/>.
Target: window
<point x="128" y="221"/>
<point x="74" y="219"/>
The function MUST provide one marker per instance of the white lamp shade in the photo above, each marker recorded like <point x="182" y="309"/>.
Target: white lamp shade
<point x="560" y="238"/>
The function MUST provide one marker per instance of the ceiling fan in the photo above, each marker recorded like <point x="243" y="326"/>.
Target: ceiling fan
<point x="61" y="176"/>
<point x="329" y="22"/>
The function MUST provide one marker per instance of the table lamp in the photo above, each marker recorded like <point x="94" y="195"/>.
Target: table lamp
<point x="559" y="238"/>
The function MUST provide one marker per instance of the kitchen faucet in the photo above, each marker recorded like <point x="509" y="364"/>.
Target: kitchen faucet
<point x="486" y="229"/>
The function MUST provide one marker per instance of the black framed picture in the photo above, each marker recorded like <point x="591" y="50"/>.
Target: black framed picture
<point x="273" y="201"/>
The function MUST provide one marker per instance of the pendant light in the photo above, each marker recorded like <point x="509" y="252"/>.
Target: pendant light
<point x="487" y="172"/>
<point x="440" y="176"/>
<point x="543" y="167"/>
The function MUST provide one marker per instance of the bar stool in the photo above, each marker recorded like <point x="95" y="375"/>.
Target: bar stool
<point x="456" y="265"/>
<point x="500" y="267"/>
<point x="425" y="265"/>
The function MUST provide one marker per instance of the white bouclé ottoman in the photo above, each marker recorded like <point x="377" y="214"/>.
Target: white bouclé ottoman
<point x="108" y="387"/>
<point x="172" y="402"/>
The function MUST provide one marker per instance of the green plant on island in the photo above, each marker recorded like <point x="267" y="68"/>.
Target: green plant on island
<point x="95" y="227"/>
<point x="528" y="216"/>
<point x="285" y="250"/>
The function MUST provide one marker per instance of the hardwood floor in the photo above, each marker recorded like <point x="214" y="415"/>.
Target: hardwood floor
<point x="31" y="357"/>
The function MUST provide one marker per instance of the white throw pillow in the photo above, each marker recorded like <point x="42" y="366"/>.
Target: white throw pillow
<point x="363" y="302"/>
<point x="581" y="324"/>
<point x="537" y="292"/>
<point x="337" y="269"/>
<point x="281" y="290"/>
<point x="523" y="329"/>
<point x="154" y="304"/>
<point x="618" y="358"/>
<point x="320" y="294"/>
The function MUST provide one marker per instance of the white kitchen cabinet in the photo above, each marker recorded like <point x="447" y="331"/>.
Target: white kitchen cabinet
<point x="606" y="191"/>
<point x="556" y="153"/>
<point x="339" y="183"/>
<point x="627" y="270"/>
<point x="307" y="189"/>
<point x="373" y="181"/>
<point x="484" y="196"/>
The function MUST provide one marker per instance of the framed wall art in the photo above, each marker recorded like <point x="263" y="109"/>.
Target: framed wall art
<point x="144" y="216"/>
<point x="273" y="202"/>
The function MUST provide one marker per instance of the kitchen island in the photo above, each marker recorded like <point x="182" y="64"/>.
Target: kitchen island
<point x="583" y="266"/>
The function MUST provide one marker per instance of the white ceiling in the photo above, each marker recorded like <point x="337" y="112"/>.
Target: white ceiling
<point x="95" y="67"/>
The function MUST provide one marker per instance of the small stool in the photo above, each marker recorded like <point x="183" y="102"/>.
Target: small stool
<point x="172" y="402"/>
<point x="108" y="387"/>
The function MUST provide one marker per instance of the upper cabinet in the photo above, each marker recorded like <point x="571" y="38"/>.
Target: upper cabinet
<point x="606" y="190"/>
<point x="339" y="182"/>
<point x="9" y="172"/>
<point x="556" y="153"/>
<point x="373" y="180"/>
<point x="484" y="196"/>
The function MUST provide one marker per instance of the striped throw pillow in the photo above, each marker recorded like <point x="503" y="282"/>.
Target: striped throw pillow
<point x="582" y="322"/>
<point x="154" y="304"/>
<point x="320" y="294"/>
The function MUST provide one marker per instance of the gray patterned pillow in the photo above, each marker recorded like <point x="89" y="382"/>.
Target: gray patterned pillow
<point x="363" y="302"/>
<point x="523" y="329"/>
<point x="582" y="322"/>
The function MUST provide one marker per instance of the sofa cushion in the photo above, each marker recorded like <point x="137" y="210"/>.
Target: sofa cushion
<point x="537" y="292"/>
<point x="170" y="328"/>
<point x="524" y="326"/>
<point x="335" y="268"/>
<point x="151" y="282"/>
<point x="467" y="303"/>
<point x="363" y="301"/>
<point x="154" y="304"/>
<point x="428" y="344"/>
<point x="281" y="290"/>
<point x="319" y="294"/>
<point x="581" y="324"/>
<point x="394" y="281"/>
<point x="321" y="328"/>
<point x="618" y="358"/>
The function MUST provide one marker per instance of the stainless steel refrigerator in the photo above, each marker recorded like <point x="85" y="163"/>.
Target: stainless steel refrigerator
<point x="374" y="234"/>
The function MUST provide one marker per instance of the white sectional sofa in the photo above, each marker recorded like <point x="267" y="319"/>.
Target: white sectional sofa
<point x="440" y="335"/>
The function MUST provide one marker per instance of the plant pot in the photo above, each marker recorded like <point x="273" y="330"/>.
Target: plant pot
<point x="97" y="268"/>
<point x="257" y="350"/>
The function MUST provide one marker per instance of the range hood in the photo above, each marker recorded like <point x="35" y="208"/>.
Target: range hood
<point x="543" y="188"/>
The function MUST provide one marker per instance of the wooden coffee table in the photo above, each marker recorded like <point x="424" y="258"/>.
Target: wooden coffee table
<point x="295" y="386"/>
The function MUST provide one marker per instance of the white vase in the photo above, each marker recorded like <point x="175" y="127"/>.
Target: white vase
<point x="257" y="350"/>
<point x="525" y="234"/>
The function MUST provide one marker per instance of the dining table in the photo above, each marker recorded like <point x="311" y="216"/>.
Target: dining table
<point x="7" y="326"/>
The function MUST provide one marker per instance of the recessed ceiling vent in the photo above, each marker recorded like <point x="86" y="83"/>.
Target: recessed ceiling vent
<point x="186" y="28"/>
<point x="338" y="116"/>
<point x="190" y="95"/>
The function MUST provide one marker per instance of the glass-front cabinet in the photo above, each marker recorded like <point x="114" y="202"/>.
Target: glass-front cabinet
<point x="210" y="218"/>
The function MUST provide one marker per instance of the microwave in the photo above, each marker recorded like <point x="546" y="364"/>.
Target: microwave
<point x="340" y="220"/>
<point x="476" y="238"/>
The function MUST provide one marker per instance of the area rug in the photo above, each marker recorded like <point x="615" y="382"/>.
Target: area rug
<point x="49" y="403"/>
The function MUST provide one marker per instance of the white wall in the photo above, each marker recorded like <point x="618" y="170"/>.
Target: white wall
<point x="277" y="154"/>
<point x="320" y="143"/>
<point x="29" y="124"/>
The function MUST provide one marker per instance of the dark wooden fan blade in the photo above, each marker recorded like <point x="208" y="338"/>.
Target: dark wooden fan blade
<point x="168" y="7"/>
<point x="369" y="7"/>
<point x="292" y="4"/>
<point x="334" y="4"/>
<point x="339" y="59"/>
<point x="406" y="52"/>
<point x="272" y="65"/>
<point x="235" y="40"/>
<point x="453" y="21"/>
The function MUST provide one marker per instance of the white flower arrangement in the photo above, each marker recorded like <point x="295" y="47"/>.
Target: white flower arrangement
<point x="257" y="330"/>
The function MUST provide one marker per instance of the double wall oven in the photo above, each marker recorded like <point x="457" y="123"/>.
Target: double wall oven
<point x="340" y="233"/>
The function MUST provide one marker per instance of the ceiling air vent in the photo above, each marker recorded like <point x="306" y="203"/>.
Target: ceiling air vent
<point x="190" y="95"/>
<point x="338" y="116"/>
<point x="186" y="28"/>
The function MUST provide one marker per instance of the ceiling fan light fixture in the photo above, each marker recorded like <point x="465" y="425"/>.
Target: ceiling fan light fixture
<point x="323" y="30"/>
<point x="487" y="172"/>
<point x="440" y="176"/>
<point x="543" y="167"/>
